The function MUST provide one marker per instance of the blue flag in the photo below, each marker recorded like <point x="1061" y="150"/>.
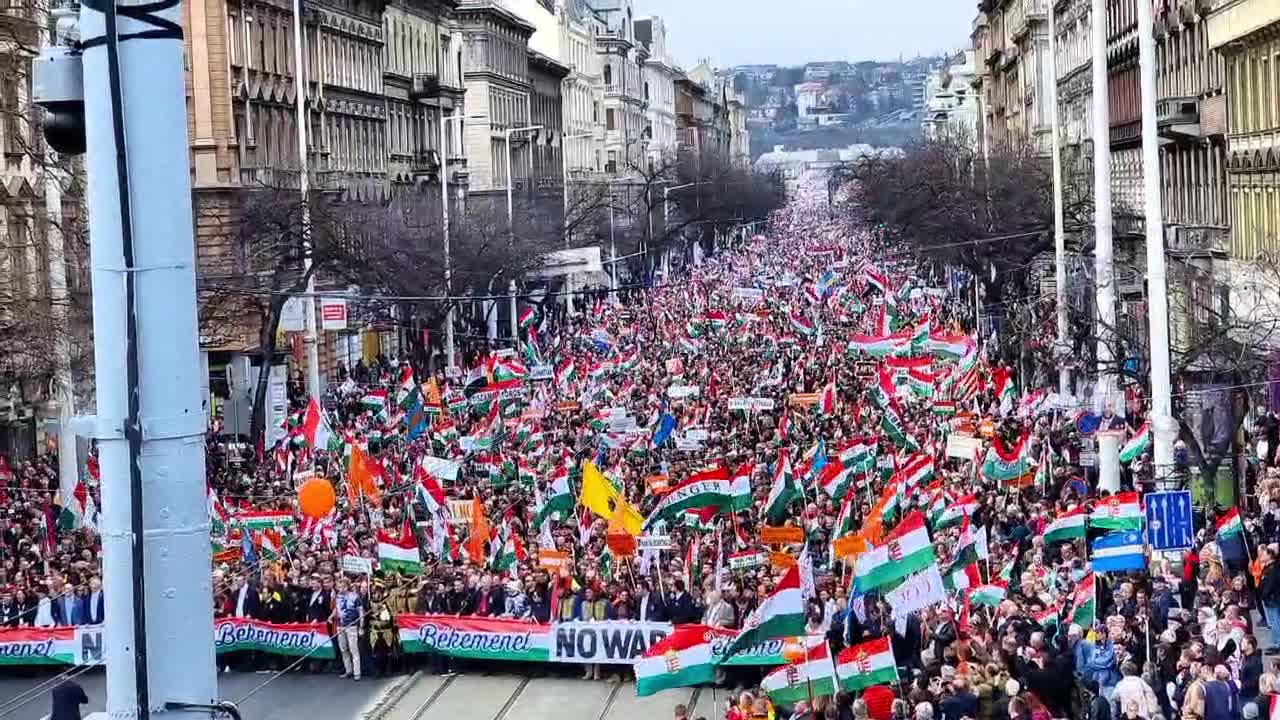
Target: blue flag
<point x="666" y="426"/>
<point x="415" y="419"/>
<point x="247" y="555"/>
<point x="1119" y="552"/>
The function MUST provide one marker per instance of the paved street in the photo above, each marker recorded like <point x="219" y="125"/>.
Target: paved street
<point x="503" y="697"/>
<point x="288" y="697"/>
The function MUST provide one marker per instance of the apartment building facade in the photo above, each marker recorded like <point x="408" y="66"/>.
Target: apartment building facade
<point x="1246" y="34"/>
<point x="659" y="78"/>
<point x="622" y="58"/>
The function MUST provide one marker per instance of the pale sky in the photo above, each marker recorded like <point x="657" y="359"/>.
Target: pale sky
<point x="791" y="32"/>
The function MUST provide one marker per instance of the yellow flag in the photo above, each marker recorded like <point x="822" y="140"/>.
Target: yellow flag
<point x="602" y="498"/>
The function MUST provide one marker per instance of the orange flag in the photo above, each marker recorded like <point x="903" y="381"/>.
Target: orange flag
<point x="480" y="531"/>
<point x="432" y="391"/>
<point x="360" y="480"/>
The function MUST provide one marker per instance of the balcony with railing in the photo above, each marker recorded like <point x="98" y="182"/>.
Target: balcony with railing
<point x="1178" y="118"/>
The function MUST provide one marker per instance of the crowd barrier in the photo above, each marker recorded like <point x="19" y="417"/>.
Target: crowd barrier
<point x="609" y="642"/>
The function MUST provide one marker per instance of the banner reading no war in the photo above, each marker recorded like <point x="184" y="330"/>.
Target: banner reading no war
<point x="83" y="645"/>
<point x="612" y="642"/>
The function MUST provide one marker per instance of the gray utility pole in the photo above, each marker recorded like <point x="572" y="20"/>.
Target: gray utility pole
<point x="301" y="83"/>
<point x="1164" y="429"/>
<point x="1105" y="390"/>
<point x="150" y="425"/>
<point x="1059" y="224"/>
<point x="511" y="227"/>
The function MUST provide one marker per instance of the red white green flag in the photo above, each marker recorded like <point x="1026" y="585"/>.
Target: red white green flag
<point x="869" y="663"/>
<point x="812" y="677"/>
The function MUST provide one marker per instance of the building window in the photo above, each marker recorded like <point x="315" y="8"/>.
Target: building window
<point x="609" y="122"/>
<point x="608" y="74"/>
<point x="646" y="92"/>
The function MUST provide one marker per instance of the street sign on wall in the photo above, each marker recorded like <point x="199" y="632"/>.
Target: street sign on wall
<point x="333" y="314"/>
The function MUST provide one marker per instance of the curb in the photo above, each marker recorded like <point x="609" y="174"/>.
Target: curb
<point x="391" y="697"/>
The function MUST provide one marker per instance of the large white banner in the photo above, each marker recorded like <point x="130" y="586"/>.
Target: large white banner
<point x="608" y="642"/>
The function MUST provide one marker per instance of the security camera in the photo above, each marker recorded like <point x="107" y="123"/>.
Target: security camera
<point x="57" y="85"/>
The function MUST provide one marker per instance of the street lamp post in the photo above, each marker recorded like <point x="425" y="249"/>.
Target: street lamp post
<point x="564" y="175"/>
<point x="301" y="83"/>
<point x="444" y="212"/>
<point x="511" y="229"/>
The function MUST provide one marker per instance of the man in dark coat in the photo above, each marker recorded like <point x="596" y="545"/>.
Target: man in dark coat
<point x="650" y="607"/>
<point x="682" y="609"/>
<point x="68" y="696"/>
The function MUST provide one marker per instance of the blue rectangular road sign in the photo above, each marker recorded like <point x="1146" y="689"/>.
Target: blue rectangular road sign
<point x="1169" y="524"/>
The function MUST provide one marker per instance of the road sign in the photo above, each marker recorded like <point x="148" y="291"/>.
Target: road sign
<point x="1169" y="524"/>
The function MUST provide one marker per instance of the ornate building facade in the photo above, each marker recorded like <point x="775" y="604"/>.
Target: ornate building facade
<point x="496" y="73"/>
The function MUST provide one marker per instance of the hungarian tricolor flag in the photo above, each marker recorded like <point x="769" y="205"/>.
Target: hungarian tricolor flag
<point x="781" y="615"/>
<point x="528" y="317"/>
<point x="1009" y="466"/>
<point x="79" y="510"/>
<point x="1229" y="535"/>
<point x="1122" y="511"/>
<point x="315" y="428"/>
<point x="834" y="478"/>
<point x="399" y="553"/>
<point x="991" y="594"/>
<point x="707" y="489"/>
<point x="827" y="399"/>
<point x="1084" y="604"/>
<point x="803" y="325"/>
<point x="740" y="488"/>
<point x="796" y="682"/>
<point x="1137" y="445"/>
<point x="905" y="551"/>
<point x="957" y="512"/>
<point x="870" y="663"/>
<point x="681" y="659"/>
<point x="782" y="491"/>
<point x="1067" y="526"/>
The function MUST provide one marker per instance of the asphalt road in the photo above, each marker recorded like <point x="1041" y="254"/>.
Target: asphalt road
<point x="289" y="697"/>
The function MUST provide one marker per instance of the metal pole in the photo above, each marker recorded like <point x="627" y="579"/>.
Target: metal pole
<point x="1059" y="223"/>
<point x="613" y="252"/>
<point x="1164" y="429"/>
<point x="564" y="180"/>
<point x="444" y="215"/>
<point x="150" y="426"/>
<point x="309" y="338"/>
<point x="1108" y="444"/>
<point x="511" y="238"/>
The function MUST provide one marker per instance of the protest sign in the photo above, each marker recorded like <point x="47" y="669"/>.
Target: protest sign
<point x="653" y="542"/>
<point x="918" y="592"/>
<point x="782" y="535"/>
<point x="553" y="560"/>
<point x="605" y="642"/>
<point x="679" y="392"/>
<point x="747" y="560"/>
<point x="356" y="565"/>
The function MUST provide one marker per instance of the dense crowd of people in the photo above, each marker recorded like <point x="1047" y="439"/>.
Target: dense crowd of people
<point x="785" y="317"/>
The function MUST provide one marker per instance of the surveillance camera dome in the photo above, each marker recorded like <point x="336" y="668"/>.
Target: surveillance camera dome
<point x="64" y="131"/>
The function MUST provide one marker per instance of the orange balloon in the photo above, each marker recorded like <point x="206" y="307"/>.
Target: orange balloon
<point x="316" y="498"/>
<point x="793" y="652"/>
